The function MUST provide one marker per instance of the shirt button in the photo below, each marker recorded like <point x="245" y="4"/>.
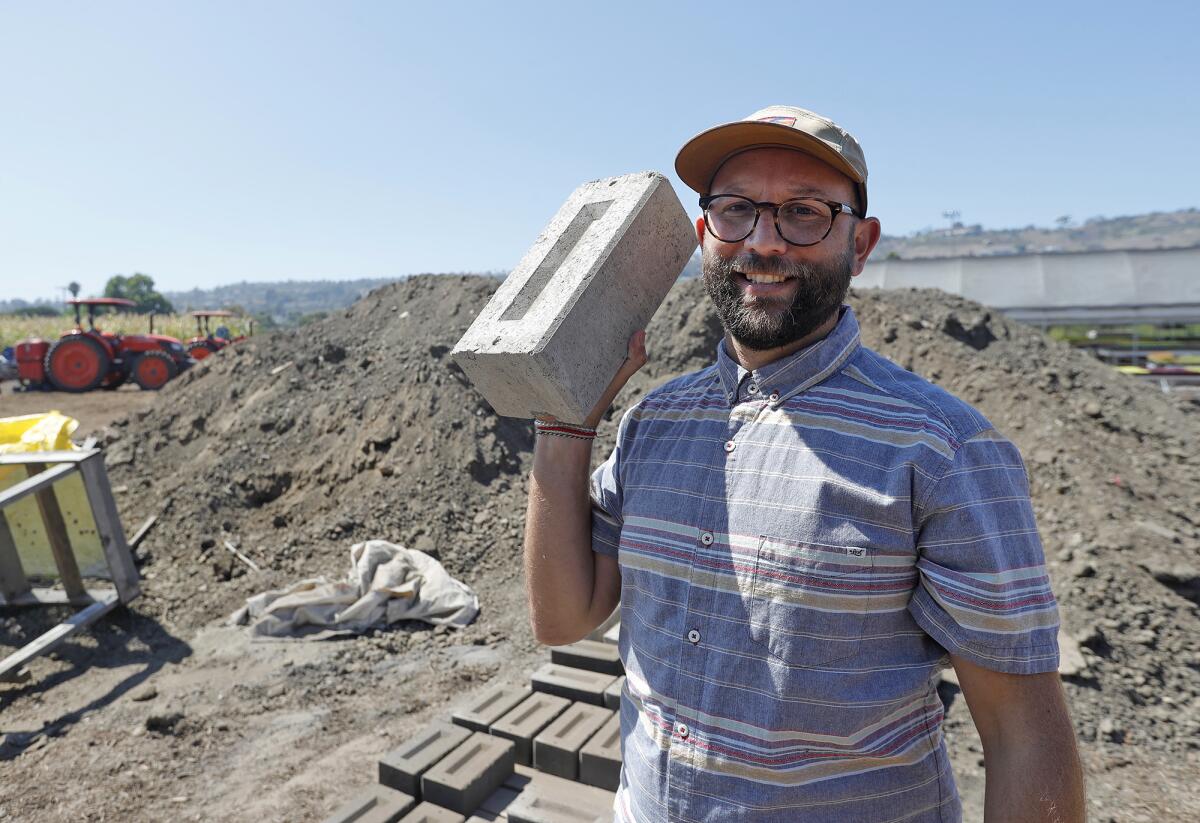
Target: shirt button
<point x="693" y="636"/>
<point x="682" y="731"/>
<point x="752" y="388"/>
<point x="730" y="445"/>
<point x="774" y="398"/>
<point x="706" y="538"/>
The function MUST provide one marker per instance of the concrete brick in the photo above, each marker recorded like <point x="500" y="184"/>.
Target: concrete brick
<point x="402" y="768"/>
<point x="600" y="757"/>
<point x="554" y="334"/>
<point x="429" y="813"/>
<point x="545" y="798"/>
<point x="573" y="684"/>
<point x="376" y="804"/>
<point x="463" y="778"/>
<point x="524" y="722"/>
<point x="556" y="749"/>
<point x="601" y="631"/>
<point x="593" y="655"/>
<point x="612" y="695"/>
<point x="482" y="712"/>
<point x="613" y="633"/>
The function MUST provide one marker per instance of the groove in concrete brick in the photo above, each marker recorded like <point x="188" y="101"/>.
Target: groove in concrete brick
<point x="523" y="723"/>
<point x="465" y="777"/>
<point x="402" y="768"/>
<point x="556" y="749"/>
<point x="583" y="220"/>
<point x="490" y="707"/>
<point x="600" y="757"/>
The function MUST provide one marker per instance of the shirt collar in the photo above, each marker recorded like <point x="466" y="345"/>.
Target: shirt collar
<point x="798" y="371"/>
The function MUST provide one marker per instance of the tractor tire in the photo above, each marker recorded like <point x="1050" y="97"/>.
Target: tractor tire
<point x="151" y="370"/>
<point x="201" y="350"/>
<point x="77" y="364"/>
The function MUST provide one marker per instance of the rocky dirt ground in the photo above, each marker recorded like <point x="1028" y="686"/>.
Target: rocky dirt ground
<point x="300" y="443"/>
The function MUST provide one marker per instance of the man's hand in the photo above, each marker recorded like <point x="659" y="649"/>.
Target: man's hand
<point x="1032" y="766"/>
<point x="571" y="589"/>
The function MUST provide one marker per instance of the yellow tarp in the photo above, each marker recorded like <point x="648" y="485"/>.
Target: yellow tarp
<point x="48" y="432"/>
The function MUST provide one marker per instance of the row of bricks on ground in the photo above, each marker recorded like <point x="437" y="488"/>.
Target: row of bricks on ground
<point x="568" y="727"/>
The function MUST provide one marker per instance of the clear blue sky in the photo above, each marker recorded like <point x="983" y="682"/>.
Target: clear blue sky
<point x="210" y="142"/>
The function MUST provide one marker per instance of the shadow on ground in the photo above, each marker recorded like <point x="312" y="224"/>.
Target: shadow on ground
<point x="125" y="638"/>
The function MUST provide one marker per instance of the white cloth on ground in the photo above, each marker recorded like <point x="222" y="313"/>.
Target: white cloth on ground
<point x="386" y="583"/>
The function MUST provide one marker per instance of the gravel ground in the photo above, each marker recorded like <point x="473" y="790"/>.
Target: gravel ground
<point x="299" y="443"/>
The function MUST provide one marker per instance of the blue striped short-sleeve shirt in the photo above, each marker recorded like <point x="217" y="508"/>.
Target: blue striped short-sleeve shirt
<point x="800" y="546"/>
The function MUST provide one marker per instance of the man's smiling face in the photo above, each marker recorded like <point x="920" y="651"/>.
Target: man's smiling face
<point x="767" y="292"/>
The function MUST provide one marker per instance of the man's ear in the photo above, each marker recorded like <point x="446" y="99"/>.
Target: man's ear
<point x="700" y="230"/>
<point x="866" y="235"/>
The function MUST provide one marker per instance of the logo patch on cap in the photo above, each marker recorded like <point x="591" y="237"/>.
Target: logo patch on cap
<point x="783" y="121"/>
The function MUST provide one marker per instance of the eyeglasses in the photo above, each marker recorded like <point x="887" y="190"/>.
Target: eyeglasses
<point x="805" y="221"/>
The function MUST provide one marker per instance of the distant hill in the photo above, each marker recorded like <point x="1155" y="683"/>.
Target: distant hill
<point x="294" y="301"/>
<point x="285" y="303"/>
<point x="1158" y="230"/>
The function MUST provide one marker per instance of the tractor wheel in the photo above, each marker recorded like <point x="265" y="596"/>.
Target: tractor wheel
<point x="151" y="370"/>
<point x="77" y="364"/>
<point x="201" y="350"/>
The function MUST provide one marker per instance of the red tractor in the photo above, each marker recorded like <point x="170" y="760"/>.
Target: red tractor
<point x="207" y="342"/>
<point x="82" y="360"/>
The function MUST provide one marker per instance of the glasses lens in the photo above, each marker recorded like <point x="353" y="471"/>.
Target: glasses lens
<point x="730" y="218"/>
<point x="804" y="221"/>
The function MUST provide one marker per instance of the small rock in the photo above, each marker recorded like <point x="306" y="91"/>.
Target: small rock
<point x="163" y="723"/>
<point x="1110" y="731"/>
<point x="147" y="692"/>
<point x="278" y="690"/>
<point x="1093" y="409"/>
<point x="1086" y="570"/>
<point x="1070" y="659"/>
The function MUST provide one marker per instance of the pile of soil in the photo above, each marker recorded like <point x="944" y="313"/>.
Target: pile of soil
<point x="299" y="443"/>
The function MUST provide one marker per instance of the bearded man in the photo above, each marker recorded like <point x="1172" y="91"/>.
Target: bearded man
<point x="802" y="536"/>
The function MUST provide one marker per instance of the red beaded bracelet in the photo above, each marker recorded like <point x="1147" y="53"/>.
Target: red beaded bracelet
<point x="572" y="430"/>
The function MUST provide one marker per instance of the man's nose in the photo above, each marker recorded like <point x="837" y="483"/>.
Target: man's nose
<point x="765" y="239"/>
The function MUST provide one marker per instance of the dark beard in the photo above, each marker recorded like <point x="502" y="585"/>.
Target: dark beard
<point x="762" y="325"/>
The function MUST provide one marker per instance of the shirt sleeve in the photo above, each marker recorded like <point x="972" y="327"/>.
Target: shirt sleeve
<point x="607" y="499"/>
<point x="983" y="592"/>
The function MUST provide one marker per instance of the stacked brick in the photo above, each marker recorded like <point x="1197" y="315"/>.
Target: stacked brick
<point x="550" y="754"/>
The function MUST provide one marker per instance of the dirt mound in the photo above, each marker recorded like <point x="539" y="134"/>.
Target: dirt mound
<point x="302" y="442"/>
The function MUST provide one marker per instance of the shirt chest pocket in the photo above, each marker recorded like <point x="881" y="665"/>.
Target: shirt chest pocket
<point x="808" y="605"/>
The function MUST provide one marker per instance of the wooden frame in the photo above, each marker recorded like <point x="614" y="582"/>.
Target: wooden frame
<point x="45" y="469"/>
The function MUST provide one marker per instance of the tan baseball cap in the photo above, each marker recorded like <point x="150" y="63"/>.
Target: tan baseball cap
<point x="775" y="126"/>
